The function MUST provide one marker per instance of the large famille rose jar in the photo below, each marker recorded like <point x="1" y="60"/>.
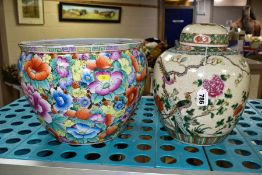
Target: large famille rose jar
<point x="83" y="90"/>
<point x="201" y="87"/>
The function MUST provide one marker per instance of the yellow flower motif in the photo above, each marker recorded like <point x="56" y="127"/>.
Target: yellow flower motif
<point x="50" y="78"/>
<point x="46" y="58"/>
<point x="127" y="52"/>
<point x="61" y="133"/>
<point x="125" y="65"/>
<point x="68" y="123"/>
<point x="79" y="92"/>
<point x="110" y="110"/>
<point x="77" y="70"/>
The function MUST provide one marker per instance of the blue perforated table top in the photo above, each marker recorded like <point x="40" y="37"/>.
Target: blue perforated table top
<point x="144" y="143"/>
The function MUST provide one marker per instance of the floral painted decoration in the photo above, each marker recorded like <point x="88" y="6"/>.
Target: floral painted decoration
<point x="83" y="98"/>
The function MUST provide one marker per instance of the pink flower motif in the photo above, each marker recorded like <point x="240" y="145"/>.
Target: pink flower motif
<point x="215" y="86"/>
<point x="40" y="106"/>
<point x="97" y="118"/>
<point x="106" y="82"/>
<point x="115" y="55"/>
<point x="61" y="67"/>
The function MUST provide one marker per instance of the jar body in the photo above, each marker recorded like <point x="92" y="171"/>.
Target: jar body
<point x="85" y="96"/>
<point x="181" y="73"/>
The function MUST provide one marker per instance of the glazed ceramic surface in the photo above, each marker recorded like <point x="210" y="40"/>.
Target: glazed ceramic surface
<point x="201" y="64"/>
<point x="83" y="90"/>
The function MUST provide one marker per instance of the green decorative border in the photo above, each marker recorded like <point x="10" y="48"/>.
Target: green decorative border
<point x="202" y="51"/>
<point x="215" y="39"/>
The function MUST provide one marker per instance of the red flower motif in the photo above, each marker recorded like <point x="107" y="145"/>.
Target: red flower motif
<point x="37" y="70"/>
<point x="131" y="95"/>
<point x="214" y="87"/>
<point x="238" y="110"/>
<point x="159" y="104"/>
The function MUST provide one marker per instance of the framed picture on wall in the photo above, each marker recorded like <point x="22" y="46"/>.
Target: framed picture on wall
<point x="30" y="11"/>
<point x="89" y="13"/>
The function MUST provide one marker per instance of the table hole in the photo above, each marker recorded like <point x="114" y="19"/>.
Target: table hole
<point x="5" y="109"/>
<point x="242" y="152"/>
<point x="26" y="116"/>
<point x="129" y="127"/>
<point x="147" y="114"/>
<point x="254" y="102"/>
<point x="167" y="147"/>
<point x="249" y="112"/>
<point x="22" y="100"/>
<point x="42" y="133"/>
<point x="54" y="143"/>
<point x="34" y="124"/>
<point x="75" y="145"/>
<point x="34" y="141"/>
<point x="258" y="107"/>
<point x="259" y="124"/>
<point x="144" y="147"/>
<point x="142" y="159"/>
<point x="241" y="118"/>
<point x="31" y="111"/>
<point x="21" y="152"/>
<point x="68" y="155"/>
<point x="233" y="132"/>
<point x="26" y="105"/>
<point x="224" y="164"/>
<point x="92" y="156"/>
<point x="15" y="104"/>
<point x="10" y="115"/>
<point x="147" y="121"/>
<point x="148" y="109"/>
<point x="163" y="128"/>
<point x="117" y="157"/>
<point x="149" y="99"/>
<point x="256" y="118"/>
<point x="191" y="149"/>
<point x="218" y="151"/>
<point x="150" y="104"/>
<point x="121" y="145"/>
<point x="251" y="165"/>
<point x="145" y="137"/>
<point x="20" y="110"/>
<point x="4" y="131"/>
<point x="247" y="107"/>
<point x="3" y="150"/>
<point x="17" y="123"/>
<point x="131" y="120"/>
<point x="250" y="133"/>
<point x="168" y="159"/>
<point x="194" y="161"/>
<point x="235" y="142"/>
<point x="257" y="142"/>
<point x="14" y="140"/>
<point x="99" y="145"/>
<point x="146" y="128"/>
<point x="2" y="121"/>
<point x="166" y="137"/>
<point x="45" y="153"/>
<point x="124" y="136"/>
<point x="24" y="132"/>
<point x="243" y="124"/>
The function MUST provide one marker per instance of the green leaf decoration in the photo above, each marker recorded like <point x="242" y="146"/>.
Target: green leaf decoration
<point x="70" y="136"/>
<point x="190" y="112"/>
<point x="57" y="127"/>
<point x="228" y="93"/>
<point x="224" y="77"/>
<point x="183" y="59"/>
<point x="167" y="104"/>
<point x="212" y="115"/>
<point x="101" y="126"/>
<point x="96" y="98"/>
<point x="59" y="119"/>
<point x="210" y="102"/>
<point x="229" y="119"/>
<point x="117" y="65"/>
<point x="220" y="111"/>
<point x="220" y="123"/>
<point x="220" y="102"/>
<point x="234" y="106"/>
<point x="109" y="97"/>
<point x="198" y="82"/>
<point x="120" y="90"/>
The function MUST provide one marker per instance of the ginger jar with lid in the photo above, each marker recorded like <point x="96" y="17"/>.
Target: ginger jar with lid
<point x="201" y="86"/>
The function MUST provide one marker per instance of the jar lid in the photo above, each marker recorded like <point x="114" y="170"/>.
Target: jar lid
<point x="205" y="34"/>
<point x="79" y="45"/>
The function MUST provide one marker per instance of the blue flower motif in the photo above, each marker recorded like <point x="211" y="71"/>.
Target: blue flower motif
<point x="62" y="100"/>
<point x="87" y="78"/>
<point x="119" y="105"/>
<point x="81" y="130"/>
<point x="84" y="102"/>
